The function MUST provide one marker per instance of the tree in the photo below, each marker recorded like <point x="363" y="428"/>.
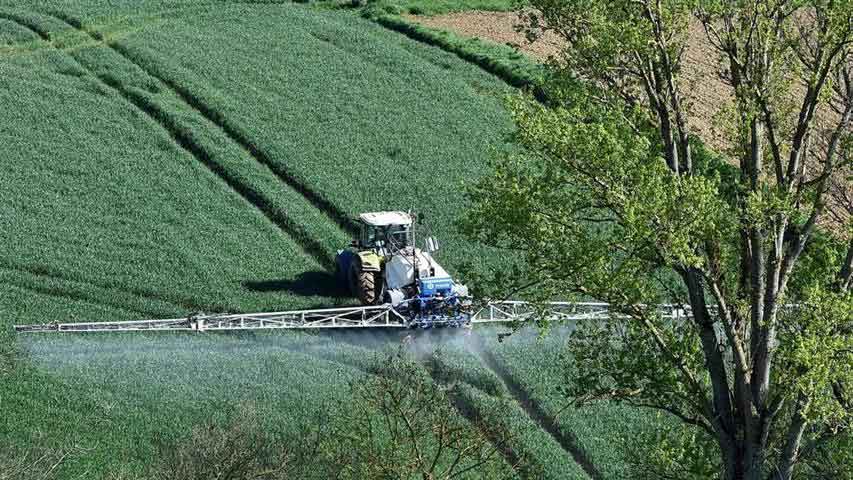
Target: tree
<point x="238" y="450"/>
<point x="397" y="424"/>
<point x="405" y="426"/>
<point x="613" y="198"/>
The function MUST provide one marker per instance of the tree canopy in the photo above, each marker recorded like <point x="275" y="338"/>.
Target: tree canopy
<point x="613" y="197"/>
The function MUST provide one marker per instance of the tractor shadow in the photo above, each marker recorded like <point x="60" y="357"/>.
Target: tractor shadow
<point x="306" y="284"/>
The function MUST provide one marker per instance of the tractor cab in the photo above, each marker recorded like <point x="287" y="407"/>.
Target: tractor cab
<point x="385" y="232"/>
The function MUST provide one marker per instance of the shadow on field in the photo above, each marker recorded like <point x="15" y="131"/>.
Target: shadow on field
<point x="307" y="284"/>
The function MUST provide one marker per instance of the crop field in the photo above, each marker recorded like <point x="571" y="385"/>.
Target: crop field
<point x="139" y="390"/>
<point x="398" y="117"/>
<point x="165" y="157"/>
<point x="134" y="393"/>
<point x="598" y="433"/>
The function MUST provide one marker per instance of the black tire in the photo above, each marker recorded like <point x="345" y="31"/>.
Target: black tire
<point x="367" y="286"/>
<point x="340" y="275"/>
<point x="352" y="278"/>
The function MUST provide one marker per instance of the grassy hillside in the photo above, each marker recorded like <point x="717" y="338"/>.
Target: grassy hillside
<point x="166" y="157"/>
<point x="156" y="165"/>
<point x="200" y="174"/>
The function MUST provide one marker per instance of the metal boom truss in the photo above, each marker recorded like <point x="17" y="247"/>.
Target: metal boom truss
<point x="381" y="316"/>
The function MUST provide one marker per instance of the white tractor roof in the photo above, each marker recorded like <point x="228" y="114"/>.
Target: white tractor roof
<point x="381" y="219"/>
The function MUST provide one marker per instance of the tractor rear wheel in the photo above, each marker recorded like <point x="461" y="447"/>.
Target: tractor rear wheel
<point x="367" y="286"/>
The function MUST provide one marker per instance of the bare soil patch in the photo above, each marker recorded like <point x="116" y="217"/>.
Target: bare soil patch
<point x="705" y="92"/>
<point x="498" y="27"/>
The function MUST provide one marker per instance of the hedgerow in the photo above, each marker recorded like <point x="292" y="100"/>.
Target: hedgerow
<point x="503" y="61"/>
<point x="436" y="7"/>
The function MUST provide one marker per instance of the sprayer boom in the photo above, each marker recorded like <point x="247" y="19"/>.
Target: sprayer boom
<point x="380" y="316"/>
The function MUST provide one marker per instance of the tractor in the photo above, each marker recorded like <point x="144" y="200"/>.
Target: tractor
<point x="398" y="284"/>
<point x="384" y="265"/>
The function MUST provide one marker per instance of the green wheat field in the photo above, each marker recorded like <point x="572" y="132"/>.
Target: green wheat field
<point x="166" y="157"/>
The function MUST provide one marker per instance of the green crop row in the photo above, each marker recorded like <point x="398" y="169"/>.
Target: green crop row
<point x="601" y="430"/>
<point x="534" y="452"/>
<point x="452" y="363"/>
<point x="356" y="118"/>
<point x="12" y="34"/>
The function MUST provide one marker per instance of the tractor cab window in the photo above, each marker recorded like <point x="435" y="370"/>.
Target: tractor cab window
<point x="368" y="236"/>
<point x="398" y="235"/>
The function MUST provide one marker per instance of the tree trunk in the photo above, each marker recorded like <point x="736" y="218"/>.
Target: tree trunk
<point x="722" y="419"/>
<point x="733" y="459"/>
<point x="844" y="278"/>
<point x="740" y="465"/>
<point x="670" y="149"/>
<point x="665" y="119"/>
<point x="790" y="453"/>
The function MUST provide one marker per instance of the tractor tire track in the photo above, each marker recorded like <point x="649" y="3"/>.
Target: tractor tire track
<point x="566" y="440"/>
<point x="66" y="295"/>
<point x="27" y="24"/>
<point x="186" y="304"/>
<point x="233" y="133"/>
<point x="469" y="412"/>
<point x="184" y="139"/>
